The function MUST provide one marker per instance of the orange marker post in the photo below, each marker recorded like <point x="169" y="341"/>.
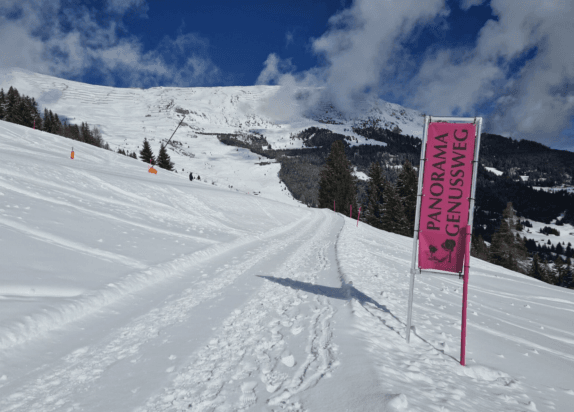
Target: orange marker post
<point x="151" y="169"/>
<point x="72" y="154"/>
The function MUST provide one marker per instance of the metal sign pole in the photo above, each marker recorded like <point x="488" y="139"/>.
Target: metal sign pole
<point x="416" y="232"/>
<point x="428" y="119"/>
<point x="468" y="245"/>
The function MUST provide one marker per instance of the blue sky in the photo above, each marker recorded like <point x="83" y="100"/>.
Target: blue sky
<point x="509" y="61"/>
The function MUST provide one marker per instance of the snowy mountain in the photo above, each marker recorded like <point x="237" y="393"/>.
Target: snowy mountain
<point x="127" y="116"/>
<point x="123" y="290"/>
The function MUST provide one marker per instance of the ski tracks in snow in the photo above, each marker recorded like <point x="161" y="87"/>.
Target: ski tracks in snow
<point x="256" y="358"/>
<point x="249" y="359"/>
<point x="423" y="375"/>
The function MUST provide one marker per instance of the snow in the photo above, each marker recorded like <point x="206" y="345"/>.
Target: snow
<point x="360" y="175"/>
<point x="495" y="171"/>
<point x="568" y="189"/>
<point x="566" y="233"/>
<point x="123" y="290"/>
<point x="127" y="116"/>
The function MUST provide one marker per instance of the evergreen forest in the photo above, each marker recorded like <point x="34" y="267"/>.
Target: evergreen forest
<point x="388" y="196"/>
<point x="23" y="110"/>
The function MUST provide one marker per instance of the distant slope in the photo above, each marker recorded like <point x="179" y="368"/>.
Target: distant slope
<point x="127" y="116"/>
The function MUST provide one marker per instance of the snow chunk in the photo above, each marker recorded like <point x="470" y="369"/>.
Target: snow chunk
<point x="288" y="361"/>
<point x="398" y="402"/>
<point x="482" y="373"/>
<point x="493" y="170"/>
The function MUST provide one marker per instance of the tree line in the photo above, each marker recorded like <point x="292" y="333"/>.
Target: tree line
<point x="23" y="110"/>
<point x="387" y="206"/>
<point x="163" y="160"/>
<point x="392" y="207"/>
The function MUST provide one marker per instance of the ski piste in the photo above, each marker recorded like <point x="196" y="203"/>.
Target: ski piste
<point x="122" y="290"/>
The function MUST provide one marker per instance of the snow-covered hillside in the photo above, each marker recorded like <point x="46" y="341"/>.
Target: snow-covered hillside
<point x="122" y="290"/>
<point x="127" y="116"/>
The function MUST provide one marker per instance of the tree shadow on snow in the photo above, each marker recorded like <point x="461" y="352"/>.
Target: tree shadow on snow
<point x="348" y="292"/>
<point x="345" y="292"/>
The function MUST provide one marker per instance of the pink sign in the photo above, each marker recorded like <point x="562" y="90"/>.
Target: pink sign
<point x="447" y="184"/>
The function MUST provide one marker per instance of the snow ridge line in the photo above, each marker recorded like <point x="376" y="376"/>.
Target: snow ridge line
<point x="15" y="189"/>
<point x="70" y="244"/>
<point x="36" y="325"/>
<point x="342" y="276"/>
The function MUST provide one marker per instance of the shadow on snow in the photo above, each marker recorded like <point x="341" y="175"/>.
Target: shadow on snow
<point x="347" y="292"/>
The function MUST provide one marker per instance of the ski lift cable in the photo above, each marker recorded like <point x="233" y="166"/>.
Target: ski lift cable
<point x="175" y="130"/>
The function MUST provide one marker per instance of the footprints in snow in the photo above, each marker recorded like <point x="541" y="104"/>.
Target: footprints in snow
<point x="248" y="361"/>
<point x="248" y="397"/>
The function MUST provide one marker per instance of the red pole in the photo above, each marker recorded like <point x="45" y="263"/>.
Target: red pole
<point x="351" y="212"/>
<point x="465" y="297"/>
<point x="358" y="217"/>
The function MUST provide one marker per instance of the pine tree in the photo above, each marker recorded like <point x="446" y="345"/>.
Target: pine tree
<point x="506" y="249"/>
<point x="407" y="191"/>
<point x="24" y="112"/>
<point x="35" y="114"/>
<point x="97" y="138"/>
<point x="548" y="275"/>
<point x="501" y="245"/>
<point x="163" y="159"/>
<point x="375" y="200"/>
<point x="47" y="126"/>
<point x="74" y="132"/>
<point x="53" y="126"/>
<point x="337" y="182"/>
<point x="569" y="278"/>
<point x="2" y="104"/>
<point x="393" y="219"/>
<point x="12" y="102"/>
<point x="146" y="153"/>
<point x="86" y="134"/>
<point x="478" y="247"/>
<point x="560" y="268"/>
<point x="536" y="270"/>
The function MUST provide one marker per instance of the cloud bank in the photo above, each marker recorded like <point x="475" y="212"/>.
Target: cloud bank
<point x="68" y="40"/>
<point x="519" y="72"/>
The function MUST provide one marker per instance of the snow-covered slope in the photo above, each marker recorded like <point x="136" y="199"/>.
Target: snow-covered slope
<point x="127" y="116"/>
<point x="122" y="290"/>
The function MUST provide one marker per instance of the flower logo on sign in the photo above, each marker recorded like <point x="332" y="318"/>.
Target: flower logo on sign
<point x="447" y="246"/>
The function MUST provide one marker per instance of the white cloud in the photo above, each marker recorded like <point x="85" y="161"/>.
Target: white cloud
<point x="121" y="6"/>
<point x="274" y="69"/>
<point x="289" y="38"/>
<point x="34" y="40"/>
<point x="445" y="87"/>
<point x="535" y="103"/>
<point x="362" y="52"/>
<point x="357" y="48"/>
<point x="467" y="4"/>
